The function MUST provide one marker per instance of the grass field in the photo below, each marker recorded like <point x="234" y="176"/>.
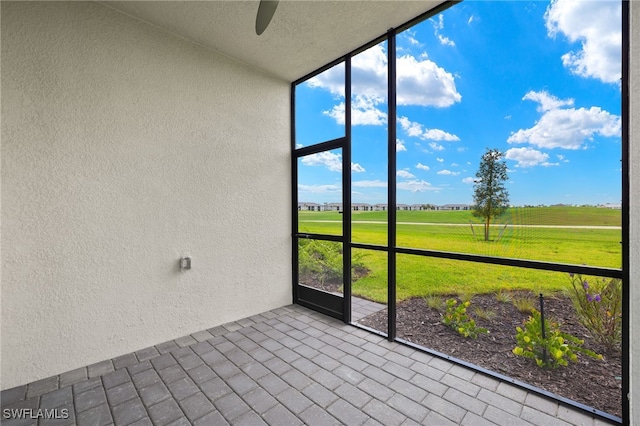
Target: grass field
<point x="529" y="234"/>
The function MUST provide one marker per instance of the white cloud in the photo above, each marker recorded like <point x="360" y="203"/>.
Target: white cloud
<point x="416" y="186"/>
<point x="434" y="146"/>
<point x="448" y="173"/>
<point x="329" y="160"/>
<point x="471" y="19"/>
<point x="411" y="127"/>
<point x="440" y="160"/>
<point x="547" y="102"/>
<point x="404" y="174"/>
<point x="363" y="112"/>
<point x="369" y="77"/>
<point x="468" y="180"/>
<point x="422" y="166"/>
<point x="320" y="189"/>
<point x="337" y="113"/>
<point x="420" y="82"/>
<point x="400" y="145"/>
<point x="425" y="150"/>
<point x="461" y="149"/>
<point x="438" y="135"/>
<point x="369" y="73"/>
<point x="415" y="129"/>
<point x="446" y="40"/>
<point x="357" y="168"/>
<point x="331" y="80"/>
<point x="526" y="157"/>
<point x="596" y="25"/>
<point x="562" y="158"/>
<point x="439" y="25"/>
<point x="369" y="184"/>
<point x="566" y="128"/>
<point x="424" y="83"/>
<point x="410" y="35"/>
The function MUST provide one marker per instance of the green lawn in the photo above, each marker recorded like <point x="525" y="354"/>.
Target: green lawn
<point x="424" y="276"/>
<point x="421" y="276"/>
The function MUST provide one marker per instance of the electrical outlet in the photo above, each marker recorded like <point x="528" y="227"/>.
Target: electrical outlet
<point x="185" y="263"/>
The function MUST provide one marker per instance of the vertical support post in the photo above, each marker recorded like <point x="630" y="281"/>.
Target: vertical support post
<point x="346" y="195"/>
<point x="392" y="200"/>
<point x="626" y="277"/>
<point x="544" y="333"/>
<point x="294" y="197"/>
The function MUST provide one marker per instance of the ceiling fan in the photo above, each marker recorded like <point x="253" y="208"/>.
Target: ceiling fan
<point x="266" y="9"/>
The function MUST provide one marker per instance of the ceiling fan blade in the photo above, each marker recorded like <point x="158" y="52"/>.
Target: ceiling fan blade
<point x="266" y="9"/>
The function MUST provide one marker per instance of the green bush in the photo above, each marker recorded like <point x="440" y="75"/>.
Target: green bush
<point x="456" y="317"/>
<point x="598" y="304"/>
<point x="555" y="349"/>
<point x="322" y="261"/>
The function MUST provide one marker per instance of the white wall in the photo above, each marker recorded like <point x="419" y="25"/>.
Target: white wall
<point x="123" y="149"/>
<point x="634" y="228"/>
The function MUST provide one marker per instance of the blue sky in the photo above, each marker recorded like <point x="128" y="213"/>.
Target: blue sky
<point x="539" y="81"/>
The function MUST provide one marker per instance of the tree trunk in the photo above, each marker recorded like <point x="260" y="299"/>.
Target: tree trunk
<point x="486" y="229"/>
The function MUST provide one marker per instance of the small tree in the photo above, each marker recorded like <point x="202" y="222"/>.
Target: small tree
<point x="490" y="197"/>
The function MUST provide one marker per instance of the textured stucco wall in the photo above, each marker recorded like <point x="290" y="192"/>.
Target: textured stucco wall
<point x="634" y="228"/>
<point x="123" y="149"/>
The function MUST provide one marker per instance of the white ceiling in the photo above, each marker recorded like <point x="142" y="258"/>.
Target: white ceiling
<point x="302" y="36"/>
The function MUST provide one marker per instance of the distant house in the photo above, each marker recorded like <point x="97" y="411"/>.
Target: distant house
<point x="312" y="207"/>
<point x="380" y="207"/>
<point x="403" y="207"/>
<point x="333" y="207"/>
<point x="615" y="206"/>
<point x="362" y="207"/>
<point x="455" y="207"/>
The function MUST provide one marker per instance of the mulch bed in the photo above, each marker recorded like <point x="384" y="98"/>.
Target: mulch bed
<point x="591" y="382"/>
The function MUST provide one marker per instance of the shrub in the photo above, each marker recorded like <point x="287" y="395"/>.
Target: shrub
<point x="322" y="260"/>
<point x="456" y="317"/>
<point x="503" y="296"/>
<point x="555" y="349"/>
<point x="598" y="304"/>
<point x="434" y="302"/>
<point x="465" y="297"/>
<point x="525" y="304"/>
<point x="485" y="314"/>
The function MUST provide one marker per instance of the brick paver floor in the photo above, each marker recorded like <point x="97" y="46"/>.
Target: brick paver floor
<point x="288" y="366"/>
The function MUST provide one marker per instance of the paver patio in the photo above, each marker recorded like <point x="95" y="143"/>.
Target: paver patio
<point x="288" y="366"/>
